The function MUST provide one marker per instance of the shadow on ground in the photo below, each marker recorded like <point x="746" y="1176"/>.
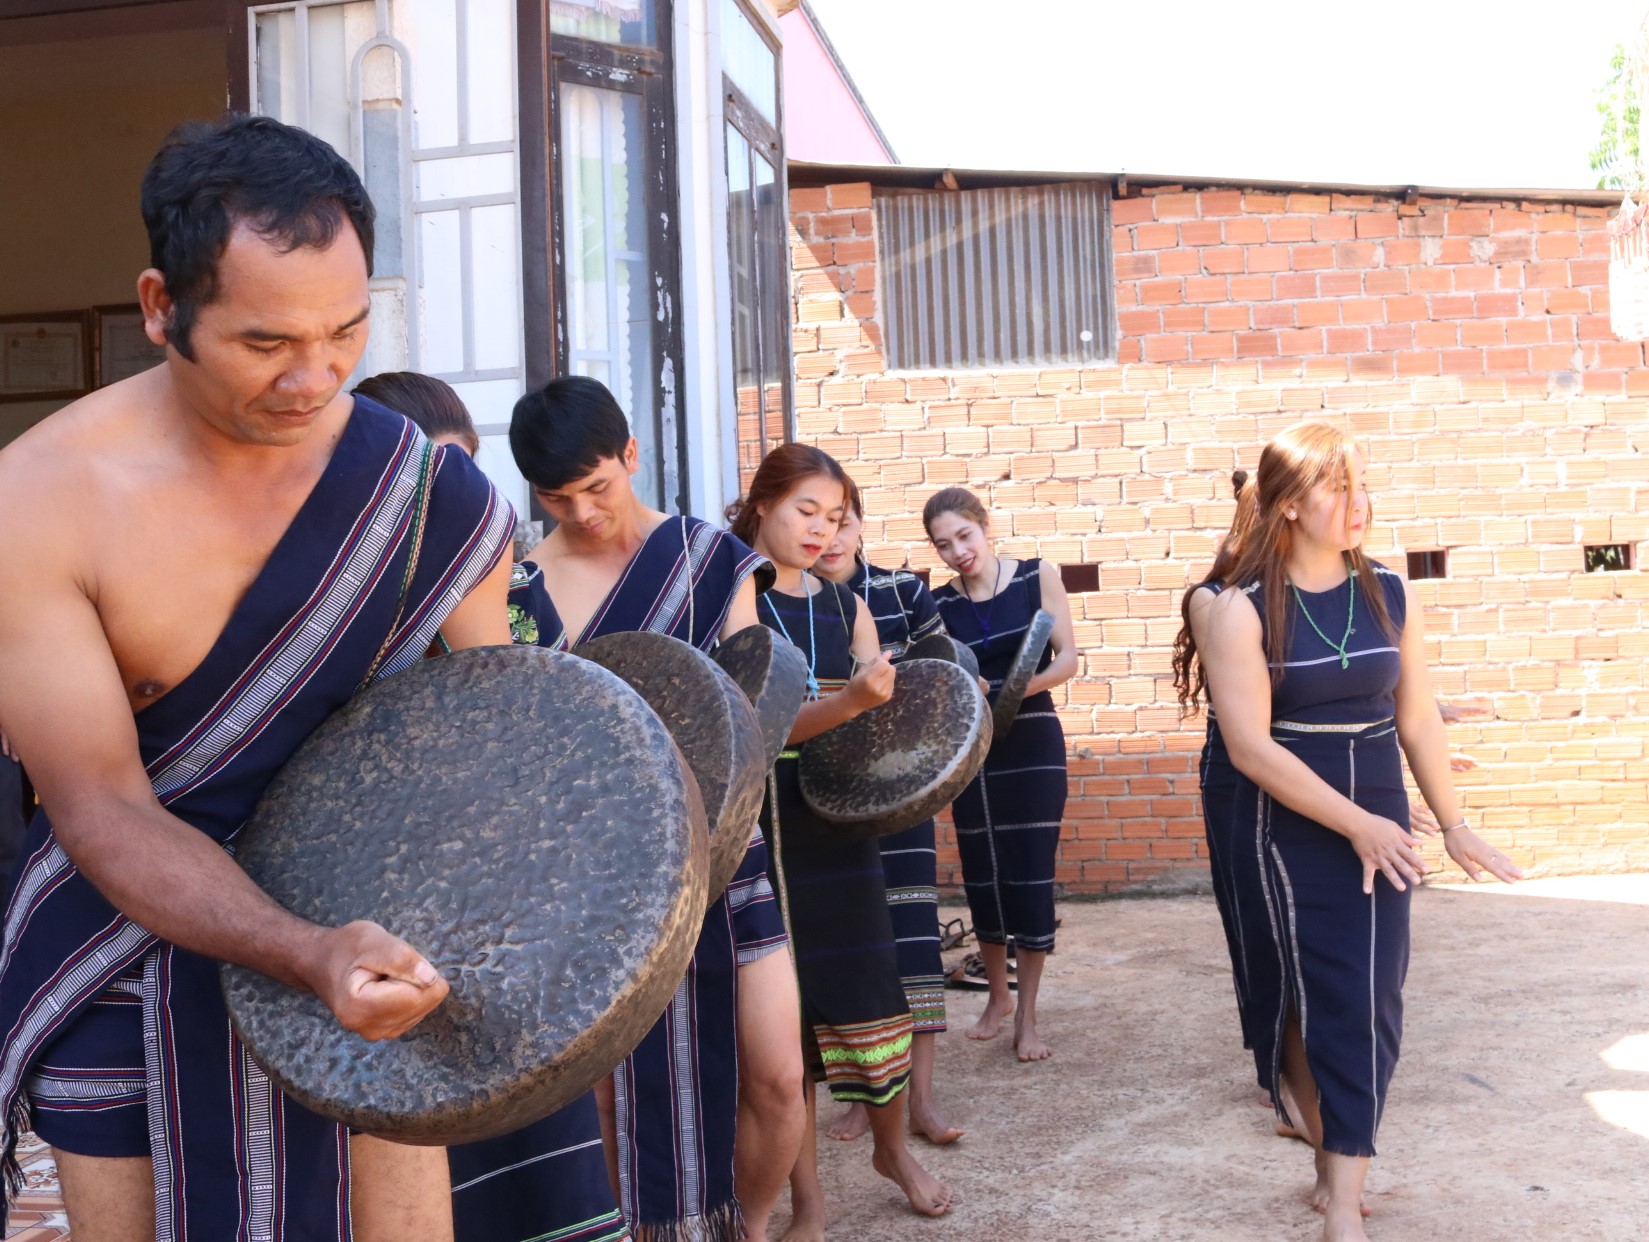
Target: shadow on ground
<point x="1520" y="1109"/>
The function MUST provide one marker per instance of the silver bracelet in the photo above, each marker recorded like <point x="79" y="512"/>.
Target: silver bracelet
<point x="1452" y="827"/>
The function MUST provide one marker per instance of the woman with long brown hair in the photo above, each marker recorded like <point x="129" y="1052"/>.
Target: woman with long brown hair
<point x="856" y="1021"/>
<point x="1313" y="660"/>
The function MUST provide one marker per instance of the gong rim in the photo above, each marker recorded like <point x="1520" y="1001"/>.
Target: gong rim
<point x="773" y="676"/>
<point x="943" y="647"/>
<point x="1020" y="671"/>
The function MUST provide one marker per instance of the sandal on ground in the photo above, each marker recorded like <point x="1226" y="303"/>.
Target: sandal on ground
<point x="952" y="934"/>
<point x="969" y="975"/>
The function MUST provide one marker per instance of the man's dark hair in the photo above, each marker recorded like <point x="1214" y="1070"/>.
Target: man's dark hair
<point x="291" y="188"/>
<point x="565" y="430"/>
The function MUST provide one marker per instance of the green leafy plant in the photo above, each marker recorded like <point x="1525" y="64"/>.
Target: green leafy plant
<point x="1615" y="158"/>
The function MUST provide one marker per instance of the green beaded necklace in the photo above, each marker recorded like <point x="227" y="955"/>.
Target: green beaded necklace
<point x="1351" y="609"/>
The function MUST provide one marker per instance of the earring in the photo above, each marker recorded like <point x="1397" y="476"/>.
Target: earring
<point x="1292" y="516"/>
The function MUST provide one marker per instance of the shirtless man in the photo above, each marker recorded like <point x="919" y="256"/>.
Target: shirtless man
<point x="171" y="628"/>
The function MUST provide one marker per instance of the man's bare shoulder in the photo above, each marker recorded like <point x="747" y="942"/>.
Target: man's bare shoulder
<point x="546" y="551"/>
<point x="61" y="478"/>
<point x="63" y="452"/>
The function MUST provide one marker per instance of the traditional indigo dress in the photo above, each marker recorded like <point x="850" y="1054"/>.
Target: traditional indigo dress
<point x="676" y="1095"/>
<point x="1309" y="941"/>
<point x="1008" y="818"/>
<point x="116" y="1043"/>
<point x="905" y="613"/>
<point x="856" y="1021"/>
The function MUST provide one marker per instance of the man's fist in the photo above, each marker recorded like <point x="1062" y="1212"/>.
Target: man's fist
<point x="376" y="984"/>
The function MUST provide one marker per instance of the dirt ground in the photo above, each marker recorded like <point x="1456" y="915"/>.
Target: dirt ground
<point x="1520" y="1109"/>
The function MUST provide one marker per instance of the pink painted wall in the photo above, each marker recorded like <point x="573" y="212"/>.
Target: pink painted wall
<point x="823" y="120"/>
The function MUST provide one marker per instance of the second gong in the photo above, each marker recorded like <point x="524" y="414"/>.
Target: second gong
<point x="898" y="764"/>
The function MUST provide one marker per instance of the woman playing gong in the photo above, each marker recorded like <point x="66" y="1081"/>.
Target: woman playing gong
<point x="1008" y="819"/>
<point x="854" y="1013"/>
<point x="904" y="612"/>
<point x="1313" y="659"/>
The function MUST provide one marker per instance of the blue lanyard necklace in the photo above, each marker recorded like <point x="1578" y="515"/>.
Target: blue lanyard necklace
<point x="985" y="621"/>
<point x="812" y="647"/>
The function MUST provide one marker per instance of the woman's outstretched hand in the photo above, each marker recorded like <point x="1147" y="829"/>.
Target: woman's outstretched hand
<point x="1387" y="849"/>
<point x="1475" y="856"/>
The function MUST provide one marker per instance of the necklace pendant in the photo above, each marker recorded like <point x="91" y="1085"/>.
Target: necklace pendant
<point x="1345" y="660"/>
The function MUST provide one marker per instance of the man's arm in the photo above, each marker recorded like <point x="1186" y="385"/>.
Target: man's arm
<point x="67" y="714"/>
<point x="741" y="613"/>
<point x="482" y="618"/>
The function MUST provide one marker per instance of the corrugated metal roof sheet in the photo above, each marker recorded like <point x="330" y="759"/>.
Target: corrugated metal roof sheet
<point x="998" y="277"/>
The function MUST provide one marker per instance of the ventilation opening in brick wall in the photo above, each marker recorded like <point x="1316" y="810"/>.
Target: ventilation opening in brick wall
<point x="1431" y="564"/>
<point x="1079" y="578"/>
<point x="1608" y="557"/>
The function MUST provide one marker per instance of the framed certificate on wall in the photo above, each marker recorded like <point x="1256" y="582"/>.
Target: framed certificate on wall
<point x="44" y="357"/>
<point x="120" y="346"/>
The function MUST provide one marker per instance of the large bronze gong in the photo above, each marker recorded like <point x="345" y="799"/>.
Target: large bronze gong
<point x="895" y="765"/>
<point x="523" y="819"/>
<point x="714" y="726"/>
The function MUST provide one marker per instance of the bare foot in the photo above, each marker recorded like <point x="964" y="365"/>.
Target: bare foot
<point x="1319" y="1197"/>
<point x="990" y="1022"/>
<point x="1284" y="1130"/>
<point x="1344" y="1227"/>
<point x="1028" y="1044"/>
<point x="1293" y="1130"/>
<point x="927" y="1194"/>
<point x="927" y="1122"/>
<point x="808" y="1226"/>
<point x="849" y="1124"/>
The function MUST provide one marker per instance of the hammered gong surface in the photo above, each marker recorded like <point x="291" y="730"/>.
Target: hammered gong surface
<point x="943" y="647"/>
<point x="773" y="675"/>
<point x="713" y="724"/>
<point x="897" y="764"/>
<point x="1012" y="692"/>
<point x="522" y="818"/>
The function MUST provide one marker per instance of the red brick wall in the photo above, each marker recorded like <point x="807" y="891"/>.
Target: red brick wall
<point x="1467" y="343"/>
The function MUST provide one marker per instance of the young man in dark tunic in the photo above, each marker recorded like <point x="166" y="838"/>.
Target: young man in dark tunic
<point x="708" y="1110"/>
<point x="204" y="561"/>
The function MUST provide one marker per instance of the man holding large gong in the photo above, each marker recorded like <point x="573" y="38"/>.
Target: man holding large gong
<point x="204" y="561"/>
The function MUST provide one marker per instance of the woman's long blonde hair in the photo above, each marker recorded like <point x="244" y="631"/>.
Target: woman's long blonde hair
<point x="1257" y="546"/>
